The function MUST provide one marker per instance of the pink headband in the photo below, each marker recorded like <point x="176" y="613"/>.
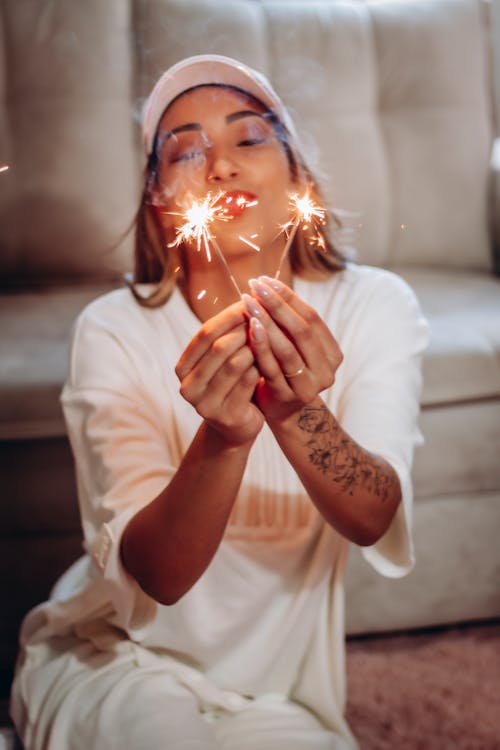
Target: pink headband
<point x="207" y="69"/>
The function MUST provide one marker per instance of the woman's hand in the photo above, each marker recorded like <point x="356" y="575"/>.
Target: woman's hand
<point x="218" y="376"/>
<point x="295" y="352"/>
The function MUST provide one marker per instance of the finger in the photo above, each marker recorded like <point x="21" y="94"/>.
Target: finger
<point x="297" y="318"/>
<point x="288" y="321"/>
<point x="294" y="347"/>
<point x="275" y="353"/>
<point x="287" y="294"/>
<point x="265" y="359"/>
<point x="275" y="360"/>
<point x="308" y="352"/>
<point x="271" y="346"/>
<point x="195" y="382"/>
<point x="285" y="384"/>
<point x="208" y="402"/>
<point x="312" y="338"/>
<point x="212" y="329"/>
<point x="241" y="394"/>
<point x="238" y="414"/>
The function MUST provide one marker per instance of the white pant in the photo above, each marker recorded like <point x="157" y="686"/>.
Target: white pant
<point x="68" y="696"/>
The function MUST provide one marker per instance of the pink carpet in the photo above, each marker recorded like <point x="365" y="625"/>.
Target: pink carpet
<point x="429" y="690"/>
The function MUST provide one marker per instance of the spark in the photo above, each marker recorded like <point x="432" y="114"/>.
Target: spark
<point x="308" y="213"/>
<point x="249" y="243"/>
<point x="306" y="209"/>
<point x="242" y="201"/>
<point x="4" y="168"/>
<point x="198" y="218"/>
<point x="319" y="241"/>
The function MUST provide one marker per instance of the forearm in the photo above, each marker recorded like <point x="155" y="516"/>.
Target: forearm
<point x="356" y="491"/>
<point x="168" y="545"/>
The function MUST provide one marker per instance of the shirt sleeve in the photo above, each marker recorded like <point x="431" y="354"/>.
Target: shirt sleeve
<point x="379" y="406"/>
<point x="120" y="449"/>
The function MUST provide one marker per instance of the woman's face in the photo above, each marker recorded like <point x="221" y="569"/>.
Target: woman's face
<point x="215" y="141"/>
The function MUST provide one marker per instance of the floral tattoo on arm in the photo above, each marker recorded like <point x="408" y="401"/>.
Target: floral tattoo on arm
<point x="334" y="453"/>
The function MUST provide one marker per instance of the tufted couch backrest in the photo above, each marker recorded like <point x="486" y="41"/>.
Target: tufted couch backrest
<point x="392" y="99"/>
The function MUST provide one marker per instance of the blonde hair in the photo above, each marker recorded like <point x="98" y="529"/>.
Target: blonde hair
<point x="155" y="262"/>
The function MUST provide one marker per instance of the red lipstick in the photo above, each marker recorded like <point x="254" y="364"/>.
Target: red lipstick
<point x="234" y="202"/>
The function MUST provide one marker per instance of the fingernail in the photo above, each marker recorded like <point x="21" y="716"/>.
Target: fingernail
<point x="275" y="284"/>
<point x="257" y="330"/>
<point x="259" y="288"/>
<point x="251" y="305"/>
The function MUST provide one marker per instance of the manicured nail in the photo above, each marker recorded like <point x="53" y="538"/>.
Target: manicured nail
<point x="251" y="305"/>
<point x="257" y="330"/>
<point x="275" y="284"/>
<point x="259" y="288"/>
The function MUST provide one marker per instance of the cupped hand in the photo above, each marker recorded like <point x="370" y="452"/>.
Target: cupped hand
<point x="294" y="350"/>
<point x="218" y="376"/>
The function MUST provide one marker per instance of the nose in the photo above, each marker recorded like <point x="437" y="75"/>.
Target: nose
<point x="221" y="168"/>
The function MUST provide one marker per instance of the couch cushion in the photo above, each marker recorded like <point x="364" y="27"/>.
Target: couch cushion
<point x="462" y="363"/>
<point x="72" y="186"/>
<point x="34" y="341"/>
<point x="463" y="360"/>
<point x="455" y="579"/>
<point x="460" y="451"/>
<point x="404" y="148"/>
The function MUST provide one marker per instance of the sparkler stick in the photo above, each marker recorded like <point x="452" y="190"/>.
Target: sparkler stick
<point x="305" y="211"/>
<point x="198" y="218"/>
<point x="224" y="263"/>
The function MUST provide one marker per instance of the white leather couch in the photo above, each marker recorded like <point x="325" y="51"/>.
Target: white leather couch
<point x="394" y="101"/>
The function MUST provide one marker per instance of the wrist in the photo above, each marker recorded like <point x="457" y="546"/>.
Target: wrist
<point x="288" y="422"/>
<point x="226" y="441"/>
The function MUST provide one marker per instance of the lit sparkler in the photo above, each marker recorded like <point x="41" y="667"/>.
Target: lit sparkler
<point x="305" y="211"/>
<point x="197" y="220"/>
<point x="196" y="227"/>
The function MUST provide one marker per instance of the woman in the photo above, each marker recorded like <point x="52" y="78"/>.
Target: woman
<point x="228" y="450"/>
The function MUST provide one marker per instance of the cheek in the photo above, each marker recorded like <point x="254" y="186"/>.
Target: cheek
<point x="276" y="174"/>
<point x="178" y="184"/>
<point x="164" y="217"/>
<point x="279" y="187"/>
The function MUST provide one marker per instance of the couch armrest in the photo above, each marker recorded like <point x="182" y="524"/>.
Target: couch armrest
<point x="495" y="204"/>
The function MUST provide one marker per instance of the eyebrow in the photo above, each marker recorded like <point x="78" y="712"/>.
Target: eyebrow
<point x="244" y="113"/>
<point x="182" y="128"/>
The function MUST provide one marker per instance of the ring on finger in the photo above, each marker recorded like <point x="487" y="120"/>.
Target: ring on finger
<point x="294" y="374"/>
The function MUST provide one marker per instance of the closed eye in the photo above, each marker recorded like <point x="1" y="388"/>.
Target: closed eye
<point x="252" y="141"/>
<point x="186" y="155"/>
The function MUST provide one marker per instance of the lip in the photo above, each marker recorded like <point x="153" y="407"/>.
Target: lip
<point x="233" y="203"/>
